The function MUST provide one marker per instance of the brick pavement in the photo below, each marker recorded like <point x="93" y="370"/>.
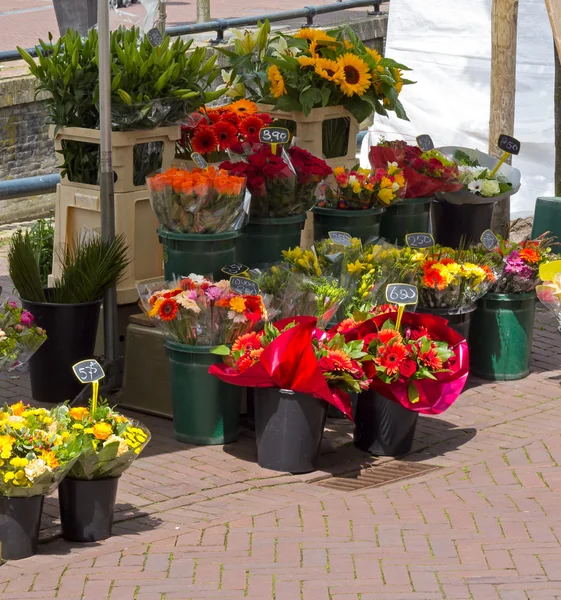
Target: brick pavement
<point x="207" y="522"/>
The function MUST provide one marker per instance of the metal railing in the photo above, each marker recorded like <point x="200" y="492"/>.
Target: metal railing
<point x="44" y="184"/>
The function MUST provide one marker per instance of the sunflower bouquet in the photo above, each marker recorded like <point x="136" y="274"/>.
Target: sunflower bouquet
<point x="549" y="293"/>
<point x="19" y="337"/>
<point x="199" y="201"/>
<point x="36" y="451"/>
<point x="108" y="441"/>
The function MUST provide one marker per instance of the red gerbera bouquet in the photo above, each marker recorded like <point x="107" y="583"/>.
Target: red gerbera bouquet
<point x="425" y="172"/>
<point x="293" y="354"/>
<point x="311" y="171"/>
<point x="213" y="131"/>
<point x="423" y="366"/>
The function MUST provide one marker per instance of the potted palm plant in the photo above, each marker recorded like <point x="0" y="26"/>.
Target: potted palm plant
<point x="68" y="311"/>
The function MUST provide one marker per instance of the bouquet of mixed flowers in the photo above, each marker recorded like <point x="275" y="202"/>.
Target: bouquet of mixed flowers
<point x="199" y="201"/>
<point x="311" y="171"/>
<point x="361" y="189"/>
<point x="213" y="131"/>
<point x="108" y="441"/>
<point x="550" y="292"/>
<point x="199" y="312"/>
<point x="478" y="186"/>
<point x="36" y="451"/>
<point x="425" y="172"/>
<point x="423" y="366"/>
<point x="19" y="337"/>
<point x="293" y="354"/>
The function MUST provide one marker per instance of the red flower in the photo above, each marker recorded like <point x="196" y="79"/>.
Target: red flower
<point x="386" y="335"/>
<point x="250" y="128"/>
<point x="226" y="134"/>
<point x="326" y="364"/>
<point x="431" y="359"/>
<point x="341" y="361"/>
<point x="204" y="140"/>
<point x="248" y="341"/>
<point x="407" y="368"/>
<point x="168" y="309"/>
<point x="390" y="357"/>
<point x="418" y="333"/>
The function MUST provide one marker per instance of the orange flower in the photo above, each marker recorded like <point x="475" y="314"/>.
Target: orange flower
<point x="431" y="359"/>
<point x="78" y="413"/>
<point x="102" y="431"/>
<point x="50" y="459"/>
<point x="248" y="341"/>
<point x="434" y="279"/>
<point x="243" y="107"/>
<point x="390" y="357"/>
<point x="341" y="361"/>
<point x="18" y="409"/>
<point x="529" y="255"/>
<point x="167" y="311"/>
<point x="386" y="335"/>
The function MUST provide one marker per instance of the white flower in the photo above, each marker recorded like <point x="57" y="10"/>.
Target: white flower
<point x="236" y="317"/>
<point x="393" y="164"/>
<point x="35" y="469"/>
<point x="123" y="446"/>
<point x="475" y="186"/>
<point x="2" y="334"/>
<point x="395" y="186"/>
<point x="235" y="88"/>
<point x="186" y="302"/>
<point x="352" y="180"/>
<point x="198" y="279"/>
<point x="490" y="188"/>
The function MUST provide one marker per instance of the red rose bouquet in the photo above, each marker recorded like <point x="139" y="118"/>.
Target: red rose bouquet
<point x="423" y="366"/>
<point x="425" y="172"/>
<point x="311" y="171"/>
<point x="293" y="354"/>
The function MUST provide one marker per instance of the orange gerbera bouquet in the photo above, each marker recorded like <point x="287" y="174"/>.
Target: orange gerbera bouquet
<point x="199" y="201"/>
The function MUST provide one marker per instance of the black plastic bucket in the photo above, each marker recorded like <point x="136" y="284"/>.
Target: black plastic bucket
<point x="87" y="508"/>
<point x="288" y="429"/>
<point x="456" y="224"/>
<point x="20" y="519"/>
<point x="458" y="320"/>
<point x="71" y="332"/>
<point x="383" y="427"/>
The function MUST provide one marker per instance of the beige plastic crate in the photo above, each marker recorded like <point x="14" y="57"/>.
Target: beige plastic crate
<point x="77" y="214"/>
<point x="123" y="143"/>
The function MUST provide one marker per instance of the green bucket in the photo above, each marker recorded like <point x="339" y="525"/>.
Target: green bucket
<point x="500" y="338"/>
<point x="206" y="411"/>
<point x="411" y="215"/>
<point x="201" y="253"/>
<point x="264" y="239"/>
<point x="362" y="224"/>
<point x="547" y="217"/>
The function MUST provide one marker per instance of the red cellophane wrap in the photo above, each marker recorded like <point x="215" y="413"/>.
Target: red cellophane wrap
<point x="419" y="184"/>
<point x="435" y="396"/>
<point x="289" y="363"/>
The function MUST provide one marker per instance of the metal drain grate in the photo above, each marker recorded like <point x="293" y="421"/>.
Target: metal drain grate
<point x="389" y="472"/>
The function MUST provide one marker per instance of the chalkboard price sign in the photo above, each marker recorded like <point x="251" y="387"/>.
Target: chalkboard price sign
<point x="244" y="286"/>
<point x="402" y="293"/>
<point x="419" y="240"/>
<point x="340" y="237"/>
<point x="155" y="37"/>
<point x="274" y="135"/>
<point x="88" y="371"/>
<point x="235" y="269"/>
<point x="489" y="239"/>
<point x="199" y="160"/>
<point x="509" y="144"/>
<point x="425" y="142"/>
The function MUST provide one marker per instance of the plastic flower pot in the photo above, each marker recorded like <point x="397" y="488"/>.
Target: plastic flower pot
<point x="458" y="319"/>
<point x="201" y="253"/>
<point x="547" y="217"/>
<point x="206" y="411"/>
<point x="383" y="427"/>
<point x="87" y="508"/>
<point x="71" y="331"/>
<point x="460" y="224"/>
<point x="501" y="334"/>
<point x="363" y="224"/>
<point x="264" y="239"/>
<point x="411" y="215"/>
<point x="288" y="429"/>
<point x="20" y="519"/>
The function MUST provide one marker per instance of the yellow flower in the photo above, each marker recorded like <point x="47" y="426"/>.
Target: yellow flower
<point x="278" y="88"/>
<point x="355" y="75"/>
<point x="102" y="431"/>
<point x="306" y="61"/>
<point x="386" y="195"/>
<point x="65" y="435"/>
<point x="374" y="54"/>
<point x="89" y="430"/>
<point x="155" y="308"/>
<point x="20" y="475"/>
<point x="19" y="462"/>
<point x="50" y="459"/>
<point x="397" y="75"/>
<point x="400" y="180"/>
<point x="386" y="182"/>
<point x="78" y="413"/>
<point x="356" y="267"/>
<point x="8" y="477"/>
<point x="237" y="304"/>
<point x="307" y="33"/>
<point x="18" y="409"/>
<point x="328" y="69"/>
<point x="357" y="187"/>
<point x="338" y="171"/>
<point x="6" y="453"/>
<point x="47" y="420"/>
<point x="1" y="463"/>
<point x="77" y="426"/>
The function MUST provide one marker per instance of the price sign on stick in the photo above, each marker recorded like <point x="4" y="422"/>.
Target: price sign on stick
<point x="401" y="294"/>
<point x="509" y="145"/>
<point x="235" y="269"/>
<point x="274" y="136"/>
<point x="341" y="237"/>
<point x="90" y="371"/>
<point x="425" y="142"/>
<point x="155" y="37"/>
<point x="419" y="240"/>
<point x="199" y="160"/>
<point x="489" y="239"/>
<point x="244" y="286"/>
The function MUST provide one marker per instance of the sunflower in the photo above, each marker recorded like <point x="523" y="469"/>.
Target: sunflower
<point x="398" y="76"/>
<point x="308" y="33"/>
<point x="374" y="54"/>
<point x="329" y="69"/>
<point x="226" y="134"/>
<point x="204" y="141"/>
<point x="243" y="107"/>
<point x="278" y="88"/>
<point x="306" y="61"/>
<point x="167" y="310"/>
<point x="355" y="75"/>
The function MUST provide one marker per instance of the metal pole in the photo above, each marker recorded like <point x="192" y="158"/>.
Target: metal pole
<point x="107" y="197"/>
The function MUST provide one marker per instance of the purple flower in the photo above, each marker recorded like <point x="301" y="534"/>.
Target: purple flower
<point x="26" y="318"/>
<point x="12" y="305"/>
<point x="192" y="295"/>
<point x="213" y="293"/>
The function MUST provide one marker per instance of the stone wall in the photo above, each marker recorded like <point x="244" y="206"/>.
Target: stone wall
<point x="25" y="147"/>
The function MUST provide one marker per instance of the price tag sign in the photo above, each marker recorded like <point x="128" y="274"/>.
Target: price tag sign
<point x="489" y="239"/>
<point x="244" y="286"/>
<point x="155" y="37"/>
<point x="419" y="240"/>
<point x="509" y="144"/>
<point x="235" y="269"/>
<point x="199" y="160"/>
<point x="90" y="371"/>
<point x="274" y="135"/>
<point x="425" y="142"/>
<point x="341" y="237"/>
<point x="401" y="294"/>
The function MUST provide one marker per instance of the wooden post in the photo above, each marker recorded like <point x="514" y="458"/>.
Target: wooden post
<point x="504" y="22"/>
<point x="203" y="11"/>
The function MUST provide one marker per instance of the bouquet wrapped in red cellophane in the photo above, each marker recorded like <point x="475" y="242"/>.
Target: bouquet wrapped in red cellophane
<point x="425" y="172"/>
<point x="293" y="354"/>
<point x="423" y="367"/>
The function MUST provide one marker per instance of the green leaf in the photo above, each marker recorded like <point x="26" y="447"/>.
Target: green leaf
<point x="309" y="98"/>
<point x="412" y="393"/>
<point x="221" y="351"/>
